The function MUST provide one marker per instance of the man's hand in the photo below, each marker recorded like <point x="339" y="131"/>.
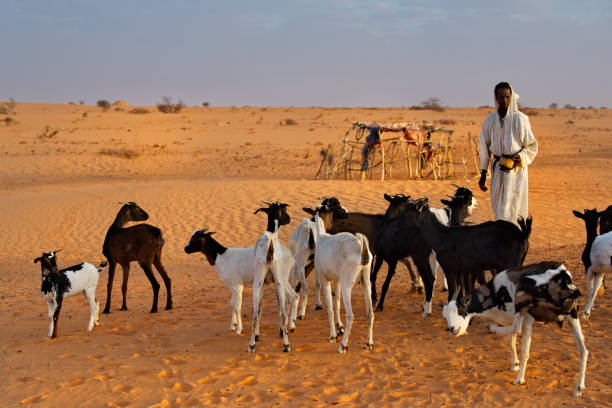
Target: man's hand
<point x="483" y="179"/>
<point x="517" y="160"/>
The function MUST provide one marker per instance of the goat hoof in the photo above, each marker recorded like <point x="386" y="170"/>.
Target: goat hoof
<point x="578" y="391"/>
<point x="291" y="330"/>
<point x="300" y="317"/>
<point x="257" y="337"/>
<point x="152" y="310"/>
<point x="342" y="349"/>
<point x="369" y="346"/>
<point x="124" y="308"/>
<point x="515" y="368"/>
<point x="251" y="349"/>
<point x="168" y="307"/>
<point x="280" y="332"/>
<point x="319" y="307"/>
<point x="332" y="339"/>
<point x="379" y="308"/>
<point x="286" y="348"/>
<point x="106" y="311"/>
<point x="517" y="382"/>
<point x="585" y="316"/>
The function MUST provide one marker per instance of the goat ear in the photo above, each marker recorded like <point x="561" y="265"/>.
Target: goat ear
<point x="37" y="259"/>
<point x="387" y="197"/>
<point x="210" y="233"/>
<point x="445" y="202"/>
<point x="308" y="210"/>
<point x="261" y="209"/>
<point x="578" y="214"/>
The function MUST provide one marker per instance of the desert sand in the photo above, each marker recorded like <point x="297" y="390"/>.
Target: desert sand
<point x="211" y="167"/>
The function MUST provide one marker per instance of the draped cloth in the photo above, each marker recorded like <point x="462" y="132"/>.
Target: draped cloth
<point x="509" y="190"/>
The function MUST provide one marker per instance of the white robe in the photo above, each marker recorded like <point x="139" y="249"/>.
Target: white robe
<point x="509" y="190"/>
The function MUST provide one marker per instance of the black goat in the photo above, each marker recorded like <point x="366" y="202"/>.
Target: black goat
<point x="142" y="243"/>
<point x="465" y="252"/>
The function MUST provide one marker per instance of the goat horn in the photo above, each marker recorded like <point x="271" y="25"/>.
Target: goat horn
<point x="455" y="185"/>
<point x="265" y="202"/>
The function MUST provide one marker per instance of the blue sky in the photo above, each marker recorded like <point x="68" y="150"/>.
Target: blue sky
<point x="306" y="53"/>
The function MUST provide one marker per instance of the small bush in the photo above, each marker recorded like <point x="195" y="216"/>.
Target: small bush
<point x="288" y="122"/>
<point x="568" y="106"/>
<point x="103" y="104"/>
<point x="120" y="153"/>
<point x="529" y="111"/>
<point x="81" y="102"/>
<point x="166" y="105"/>
<point x="139" y="111"/>
<point x="205" y="104"/>
<point x="48" y="133"/>
<point x="432" y="103"/>
<point x="553" y="105"/>
<point x="8" y="120"/>
<point x="446" y="122"/>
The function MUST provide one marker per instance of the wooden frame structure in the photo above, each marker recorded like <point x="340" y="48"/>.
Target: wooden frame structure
<point x="408" y="154"/>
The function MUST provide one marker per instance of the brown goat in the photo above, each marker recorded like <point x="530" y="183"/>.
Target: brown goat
<point x="142" y="243"/>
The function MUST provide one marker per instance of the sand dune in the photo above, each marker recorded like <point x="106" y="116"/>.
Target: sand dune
<point x="215" y="166"/>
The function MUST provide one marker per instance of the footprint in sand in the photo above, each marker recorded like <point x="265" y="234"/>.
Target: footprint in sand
<point x="123" y="388"/>
<point x="120" y="403"/>
<point x="73" y="383"/>
<point x="249" y="380"/>
<point x="34" y="399"/>
<point x="66" y="356"/>
<point x="182" y="387"/>
<point x="207" y="380"/>
<point x="174" y="361"/>
<point x="166" y="373"/>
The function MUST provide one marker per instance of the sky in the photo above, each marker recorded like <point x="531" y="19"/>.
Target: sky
<point x="306" y="52"/>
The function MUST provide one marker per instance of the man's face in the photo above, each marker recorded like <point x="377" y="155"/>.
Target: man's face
<point x="502" y="96"/>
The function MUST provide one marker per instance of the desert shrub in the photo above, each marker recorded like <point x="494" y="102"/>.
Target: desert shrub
<point x="48" y="133"/>
<point x="485" y="107"/>
<point x="8" y="120"/>
<point x="529" y="111"/>
<point x="81" y="102"/>
<point x="120" y="153"/>
<point x="446" y="122"/>
<point x="8" y="107"/>
<point x="553" y="105"/>
<point x="103" y="104"/>
<point x="166" y="105"/>
<point x="205" y="104"/>
<point x="139" y="111"/>
<point x="432" y="103"/>
<point x="288" y="122"/>
<point x="568" y="106"/>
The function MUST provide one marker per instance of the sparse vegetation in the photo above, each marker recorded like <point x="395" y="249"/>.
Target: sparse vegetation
<point x="167" y="106"/>
<point x="139" y="111"/>
<point x="530" y="111"/>
<point x="48" y="133"/>
<point x="288" y="122"/>
<point x="81" y="102"/>
<point x="446" y="122"/>
<point x="7" y="108"/>
<point x="120" y="153"/>
<point x="432" y="103"/>
<point x="8" y="120"/>
<point x="205" y="104"/>
<point x="568" y="106"/>
<point x="103" y="104"/>
<point x="553" y="105"/>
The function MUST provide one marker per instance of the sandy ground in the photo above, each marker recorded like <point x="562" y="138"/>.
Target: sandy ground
<point x="210" y="167"/>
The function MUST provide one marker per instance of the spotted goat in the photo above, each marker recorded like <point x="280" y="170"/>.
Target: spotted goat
<point x="516" y="298"/>
<point x="60" y="284"/>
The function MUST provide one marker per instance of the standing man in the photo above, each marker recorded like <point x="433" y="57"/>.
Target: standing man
<point x="506" y="133"/>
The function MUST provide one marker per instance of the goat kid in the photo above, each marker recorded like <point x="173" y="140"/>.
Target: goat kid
<point x="343" y="258"/>
<point x="516" y="298"/>
<point x="601" y="265"/>
<point x="60" y="284"/>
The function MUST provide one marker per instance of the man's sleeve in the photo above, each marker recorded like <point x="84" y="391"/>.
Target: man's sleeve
<point x="529" y="142"/>
<point x="485" y="142"/>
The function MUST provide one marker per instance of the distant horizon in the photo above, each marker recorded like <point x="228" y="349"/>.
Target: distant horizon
<point x="342" y="53"/>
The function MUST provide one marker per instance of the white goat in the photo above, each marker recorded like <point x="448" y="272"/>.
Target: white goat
<point x="234" y="266"/>
<point x="273" y="258"/>
<point x="60" y="284"/>
<point x="601" y="264"/>
<point x="519" y="296"/>
<point x="343" y="258"/>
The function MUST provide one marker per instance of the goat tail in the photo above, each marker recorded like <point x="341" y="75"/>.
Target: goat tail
<point x="102" y="266"/>
<point x="366" y="257"/>
<point x="525" y="225"/>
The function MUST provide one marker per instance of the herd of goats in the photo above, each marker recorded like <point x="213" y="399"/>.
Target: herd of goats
<point x="341" y="247"/>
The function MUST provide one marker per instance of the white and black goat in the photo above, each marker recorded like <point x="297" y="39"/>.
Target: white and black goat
<point x="60" y="284"/>
<point x="234" y="266"/>
<point x="465" y="252"/>
<point x="517" y="297"/>
<point x="343" y="258"/>
<point x="597" y="254"/>
<point x="303" y="237"/>
<point x="275" y="259"/>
